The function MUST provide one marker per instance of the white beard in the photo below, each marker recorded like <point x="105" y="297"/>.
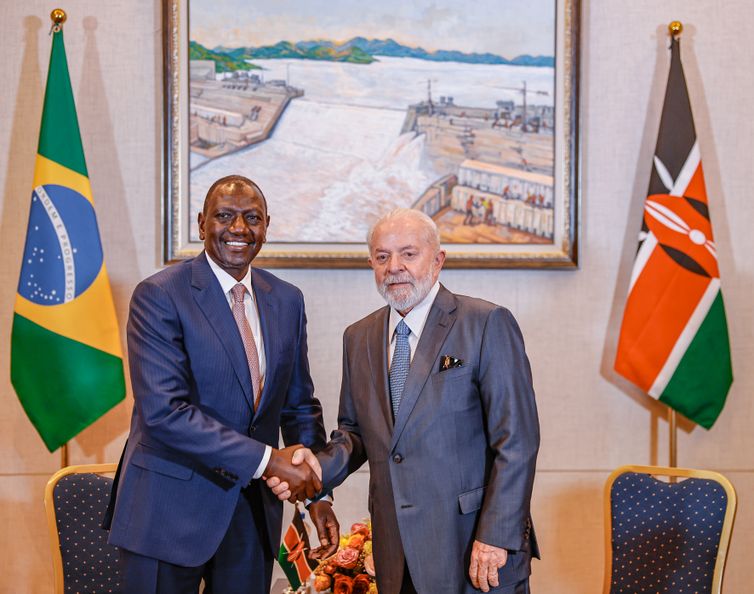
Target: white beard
<point x="407" y="298"/>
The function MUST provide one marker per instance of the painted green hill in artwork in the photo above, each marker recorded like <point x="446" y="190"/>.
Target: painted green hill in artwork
<point x="360" y="50"/>
<point x="312" y="51"/>
<point x="223" y="61"/>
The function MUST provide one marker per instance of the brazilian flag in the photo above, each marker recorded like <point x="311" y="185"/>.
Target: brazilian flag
<point x="66" y="358"/>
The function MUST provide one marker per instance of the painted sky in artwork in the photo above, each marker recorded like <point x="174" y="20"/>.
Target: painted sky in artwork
<point x="508" y="28"/>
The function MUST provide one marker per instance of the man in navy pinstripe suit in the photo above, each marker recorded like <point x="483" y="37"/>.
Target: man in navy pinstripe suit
<point x="205" y="423"/>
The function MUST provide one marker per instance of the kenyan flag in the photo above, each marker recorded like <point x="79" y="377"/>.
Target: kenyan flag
<point x="674" y="337"/>
<point x="294" y="552"/>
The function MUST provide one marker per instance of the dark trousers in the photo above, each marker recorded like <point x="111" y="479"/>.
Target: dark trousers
<point x="407" y="587"/>
<point x="242" y="563"/>
<point x="522" y="587"/>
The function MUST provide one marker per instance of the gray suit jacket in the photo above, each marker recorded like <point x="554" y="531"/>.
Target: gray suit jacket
<point x="457" y="464"/>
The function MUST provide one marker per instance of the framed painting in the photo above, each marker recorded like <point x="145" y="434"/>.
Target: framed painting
<point x="343" y="111"/>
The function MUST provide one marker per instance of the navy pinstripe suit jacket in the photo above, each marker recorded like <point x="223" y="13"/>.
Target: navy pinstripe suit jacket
<point x="195" y="441"/>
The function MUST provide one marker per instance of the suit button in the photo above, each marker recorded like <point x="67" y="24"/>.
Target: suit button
<point x="397" y="458"/>
<point x="252" y="429"/>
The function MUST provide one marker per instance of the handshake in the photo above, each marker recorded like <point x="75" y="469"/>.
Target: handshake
<point x="293" y="474"/>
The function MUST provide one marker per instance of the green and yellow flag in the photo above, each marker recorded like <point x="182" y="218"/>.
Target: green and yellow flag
<point x="66" y="359"/>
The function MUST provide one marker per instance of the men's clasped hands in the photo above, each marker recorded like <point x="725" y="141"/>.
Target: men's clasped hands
<point x="294" y="474"/>
<point x="297" y="470"/>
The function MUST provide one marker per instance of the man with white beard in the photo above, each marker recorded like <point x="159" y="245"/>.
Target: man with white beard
<point x="437" y="395"/>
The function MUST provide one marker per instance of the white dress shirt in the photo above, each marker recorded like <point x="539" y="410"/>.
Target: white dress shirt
<point x="415" y="320"/>
<point x="227" y="282"/>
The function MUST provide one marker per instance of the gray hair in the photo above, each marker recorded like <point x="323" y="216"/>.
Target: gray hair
<point x="429" y="229"/>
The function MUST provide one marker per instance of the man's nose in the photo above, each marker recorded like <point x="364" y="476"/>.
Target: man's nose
<point x="238" y="224"/>
<point x="394" y="263"/>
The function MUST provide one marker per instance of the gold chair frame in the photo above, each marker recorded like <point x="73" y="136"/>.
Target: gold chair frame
<point x="674" y="473"/>
<point x="52" y="524"/>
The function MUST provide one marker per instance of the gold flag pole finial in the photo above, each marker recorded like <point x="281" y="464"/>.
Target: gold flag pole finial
<point x="675" y="28"/>
<point x="58" y="17"/>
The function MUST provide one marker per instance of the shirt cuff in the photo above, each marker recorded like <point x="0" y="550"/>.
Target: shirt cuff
<point x="326" y="497"/>
<point x="263" y="463"/>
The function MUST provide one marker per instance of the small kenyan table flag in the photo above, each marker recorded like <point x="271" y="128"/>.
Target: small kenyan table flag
<point x="674" y="338"/>
<point x="294" y="552"/>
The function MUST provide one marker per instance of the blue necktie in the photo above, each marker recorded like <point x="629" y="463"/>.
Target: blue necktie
<point x="399" y="365"/>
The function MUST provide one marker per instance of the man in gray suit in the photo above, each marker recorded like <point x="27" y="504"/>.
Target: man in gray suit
<point x="437" y="395"/>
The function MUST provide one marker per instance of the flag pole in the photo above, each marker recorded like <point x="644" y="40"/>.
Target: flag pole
<point x="58" y="17"/>
<point x="675" y="28"/>
<point x="673" y="432"/>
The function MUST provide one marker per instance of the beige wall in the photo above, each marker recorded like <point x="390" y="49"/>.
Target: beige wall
<point x="590" y="422"/>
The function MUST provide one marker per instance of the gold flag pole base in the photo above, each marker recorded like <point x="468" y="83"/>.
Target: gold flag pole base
<point x="64" y="455"/>
<point x="673" y="440"/>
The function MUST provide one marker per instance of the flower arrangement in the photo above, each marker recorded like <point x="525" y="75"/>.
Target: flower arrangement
<point x="351" y="569"/>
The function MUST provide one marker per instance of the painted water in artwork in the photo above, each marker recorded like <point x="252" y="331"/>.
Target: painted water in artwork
<point x="342" y="111"/>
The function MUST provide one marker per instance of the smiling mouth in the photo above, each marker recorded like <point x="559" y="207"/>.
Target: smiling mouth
<point x="237" y="243"/>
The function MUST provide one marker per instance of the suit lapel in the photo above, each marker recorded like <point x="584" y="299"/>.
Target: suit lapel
<point x="267" y="308"/>
<point x="377" y="353"/>
<point x="439" y="322"/>
<point x="210" y="298"/>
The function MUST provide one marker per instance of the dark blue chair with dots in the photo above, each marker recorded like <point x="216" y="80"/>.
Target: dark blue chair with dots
<point x="76" y="498"/>
<point x="667" y="536"/>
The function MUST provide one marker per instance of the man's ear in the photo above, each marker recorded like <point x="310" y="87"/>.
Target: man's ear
<point x="440" y="259"/>
<point x="200" y="220"/>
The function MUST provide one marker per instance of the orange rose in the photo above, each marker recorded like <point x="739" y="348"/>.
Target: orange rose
<point x="329" y="568"/>
<point x="361" y="584"/>
<point x="322" y="582"/>
<point x="359" y="528"/>
<point x="356" y="542"/>
<point x="343" y="585"/>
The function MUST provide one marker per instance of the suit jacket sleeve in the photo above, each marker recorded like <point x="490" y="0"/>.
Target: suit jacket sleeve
<point x="161" y="379"/>
<point x="512" y="425"/>
<point x="301" y="417"/>
<point x="345" y="451"/>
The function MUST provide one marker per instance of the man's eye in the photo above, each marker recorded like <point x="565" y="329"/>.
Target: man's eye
<point x="252" y="218"/>
<point x="222" y="215"/>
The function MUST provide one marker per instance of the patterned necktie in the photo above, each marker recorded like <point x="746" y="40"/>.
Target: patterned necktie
<point x="252" y="355"/>
<point x="399" y="365"/>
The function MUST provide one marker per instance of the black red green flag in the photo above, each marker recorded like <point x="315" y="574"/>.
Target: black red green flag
<point x="294" y="552"/>
<point x="674" y="338"/>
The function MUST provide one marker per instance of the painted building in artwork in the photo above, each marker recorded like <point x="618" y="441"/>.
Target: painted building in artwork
<point x="519" y="199"/>
<point x="202" y="70"/>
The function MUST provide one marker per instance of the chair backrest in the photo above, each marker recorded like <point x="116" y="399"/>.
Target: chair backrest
<point x="667" y="536"/>
<point x="75" y="500"/>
